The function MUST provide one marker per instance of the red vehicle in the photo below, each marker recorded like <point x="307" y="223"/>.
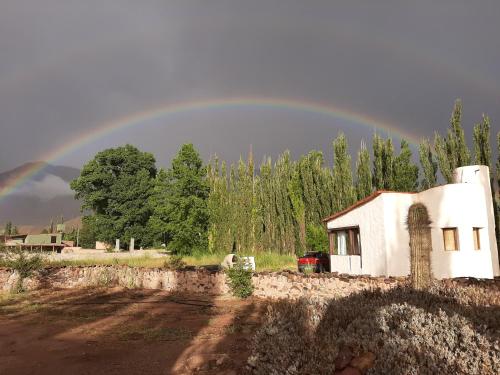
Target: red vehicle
<point x="314" y="262"/>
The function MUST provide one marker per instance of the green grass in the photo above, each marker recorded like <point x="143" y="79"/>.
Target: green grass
<point x="265" y="261"/>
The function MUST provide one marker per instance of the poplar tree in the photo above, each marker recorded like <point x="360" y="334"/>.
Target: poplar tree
<point x="298" y="207"/>
<point x="405" y="171"/>
<point x="481" y="137"/>
<point x="364" y="185"/>
<point x="429" y="165"/>
<point x="388" y="164"/>
<point x="452" y="152"/>
<point x="378" y="173"/>
<point x="342" y="173"/>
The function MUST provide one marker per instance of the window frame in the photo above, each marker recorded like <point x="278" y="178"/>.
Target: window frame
<point x="353" y="237"/>
<point x="455" y="235"/>
<point x="476" y="231"/>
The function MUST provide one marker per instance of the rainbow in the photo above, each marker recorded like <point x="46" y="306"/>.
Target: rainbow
<point x="139" y="118"/>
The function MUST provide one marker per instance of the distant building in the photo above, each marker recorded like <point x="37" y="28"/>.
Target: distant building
<point x="49" y="241"/>
<point x="371" y="236"/>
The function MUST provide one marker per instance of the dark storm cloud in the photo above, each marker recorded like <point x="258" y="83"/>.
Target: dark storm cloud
<point x="69" y="66"/>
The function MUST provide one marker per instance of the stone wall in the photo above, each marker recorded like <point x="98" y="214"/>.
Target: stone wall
<point x="274" y="285"/>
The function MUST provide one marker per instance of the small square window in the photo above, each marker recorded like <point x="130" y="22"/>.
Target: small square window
<point x="450" y="238"/>
<point x="476" y="234"/>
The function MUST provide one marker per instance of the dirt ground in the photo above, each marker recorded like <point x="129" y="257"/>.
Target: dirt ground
<point x="120" y="331"/>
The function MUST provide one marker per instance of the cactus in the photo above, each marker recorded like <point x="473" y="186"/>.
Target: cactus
<point x="420" y="246"/>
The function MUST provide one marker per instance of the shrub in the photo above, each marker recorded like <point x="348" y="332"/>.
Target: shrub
<point x="174" y="262"/>
<point x="23" y="262"/>
<point x="240" y="281"/>
<point x="316" y="238"/>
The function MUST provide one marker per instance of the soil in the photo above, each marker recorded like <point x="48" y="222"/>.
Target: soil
<point x="122" y="331"/>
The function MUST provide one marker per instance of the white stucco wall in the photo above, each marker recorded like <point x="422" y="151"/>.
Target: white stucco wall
<point x="385" y="240"/>
<point x="370" y="220"/>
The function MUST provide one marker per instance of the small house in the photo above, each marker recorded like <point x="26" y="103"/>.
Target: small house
<point x="371" y="236"/>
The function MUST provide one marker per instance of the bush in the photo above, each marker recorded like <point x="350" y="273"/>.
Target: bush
<point x="316" y="238"/>
<point x="23" y="262"/>
<point x="240" y="281"/>
<point x="174" y="262"/>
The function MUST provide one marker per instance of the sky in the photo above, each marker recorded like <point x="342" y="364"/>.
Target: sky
<point x="68" y="68"/>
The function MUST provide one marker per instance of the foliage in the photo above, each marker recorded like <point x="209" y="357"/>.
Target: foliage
<point x="429" y="165"/>
<point x="317" y="239"/>
<point x="23" y="262"/>
<point x="342" y="174"/>
<point x="86" y="235"/>
<point x="240" y="281"/>
<point x="174" y="262"/>
<point x="481" y="137"/>
<point x="452" y="152"/>
<point x="115" y="187"/>
<point x="179" y="203"/>
<point x="364" y="186"/>
<point x="405" y="176"/>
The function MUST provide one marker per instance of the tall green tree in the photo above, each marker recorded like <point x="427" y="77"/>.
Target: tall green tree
<point x="429" y="165"/>
<point x="180" y="203"/>
<point x="388" y="164"/>
<point x="405" y="171"/>
<point x="364" y="185"/>
<point x="115" y="186"/>
<point x="452" y="152"/>
<point x="378" y="162"/>
<point x="342" y="173"/>
<point x="481" y="137"/>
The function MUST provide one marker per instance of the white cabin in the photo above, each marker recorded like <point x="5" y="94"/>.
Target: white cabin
<point x="371" y="237"/>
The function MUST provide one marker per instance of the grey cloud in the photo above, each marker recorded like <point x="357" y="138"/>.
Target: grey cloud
<point x="67" y="67"/>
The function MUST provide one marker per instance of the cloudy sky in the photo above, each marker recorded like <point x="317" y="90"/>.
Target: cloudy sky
<point x="68" y="68"/>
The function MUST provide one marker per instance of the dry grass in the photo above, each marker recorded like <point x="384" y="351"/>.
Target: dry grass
<point x="265" y="261"/>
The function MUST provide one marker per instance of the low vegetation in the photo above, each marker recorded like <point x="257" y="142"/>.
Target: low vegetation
<point x="23" y="262"/>
<point x="445" y="330"/>
<point x="265" y="261"/>
<point x="240" y="280"/>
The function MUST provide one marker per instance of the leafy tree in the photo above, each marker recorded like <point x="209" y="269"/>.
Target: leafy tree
<point x="364" y="185"/>
<point x="114" y="187"/>
<point x="429" y="165"/>
<point x="298" y="207"/>
<point x="388" y="164"/>
<point x="378" y="173"/>
<point x="180" y="203"/>
<point x="481" y="137"/>
<point x="342" y="173"/>
<point x="452" y="151"/>
<point x="317" y="239"/>
<point x="405" y="172"/>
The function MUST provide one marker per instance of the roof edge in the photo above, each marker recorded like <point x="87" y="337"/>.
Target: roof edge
<point x="362" y="202"/>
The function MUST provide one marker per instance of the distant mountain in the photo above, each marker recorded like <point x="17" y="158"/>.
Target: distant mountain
<point x="44" y="196"/>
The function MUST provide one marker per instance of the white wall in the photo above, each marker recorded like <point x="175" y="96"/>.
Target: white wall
<point x="397" y="241"/>
<point x="462" y="206"/>
<point x="370" y="220"/>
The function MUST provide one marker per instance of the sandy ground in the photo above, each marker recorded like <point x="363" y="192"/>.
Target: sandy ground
<point x="120" y="331"/>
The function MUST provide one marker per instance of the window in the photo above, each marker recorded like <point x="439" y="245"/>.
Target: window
<point x="450" y="237"/>
<point x="345" y="241"/>
<point x="53" y="239"/>
<point x="477" y="239"/>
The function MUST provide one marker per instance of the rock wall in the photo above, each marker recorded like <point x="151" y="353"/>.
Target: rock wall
<point x="274" y="285"/>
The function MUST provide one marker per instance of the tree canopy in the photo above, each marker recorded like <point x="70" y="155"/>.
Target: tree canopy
<point x="115" y="187"/>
